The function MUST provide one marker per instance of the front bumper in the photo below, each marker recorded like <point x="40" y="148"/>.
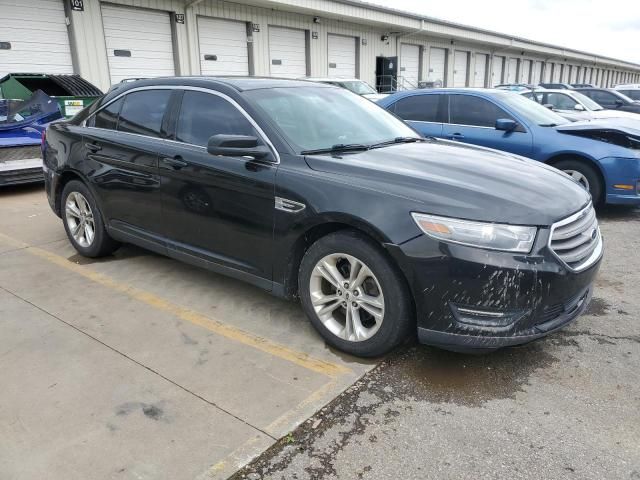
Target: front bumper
<point x="472" y="299"/>
<point x="622" y="180"/>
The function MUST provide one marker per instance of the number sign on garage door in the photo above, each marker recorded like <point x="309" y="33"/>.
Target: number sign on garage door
<point x="34" y="36"/>
<point x="223" y="47"/>
<point x="437" y="65"/>
<point x="341" y="53"/>
<point x="287" y="52"/>
<point x="139" y="42"/>
<point x="410" y="65"/>
<point x="460" y="68"/>
<point x="497" y="65"/>
<point x="480" y="73"/>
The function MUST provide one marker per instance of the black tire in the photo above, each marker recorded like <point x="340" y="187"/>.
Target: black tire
<point x="595" y="183"/>
<point x="398" y="308"/>
<point x="102" y="244"/>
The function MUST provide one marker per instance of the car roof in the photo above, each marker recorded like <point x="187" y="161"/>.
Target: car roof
<point x="237" y="83"/>
<point x="327" y="79"/>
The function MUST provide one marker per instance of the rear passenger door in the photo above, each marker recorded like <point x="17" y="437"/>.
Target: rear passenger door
<point x="472" y="119"/>
<point x="217" y="211"/>
<point x="121" y="146"/>
<point x="424" y="112"/>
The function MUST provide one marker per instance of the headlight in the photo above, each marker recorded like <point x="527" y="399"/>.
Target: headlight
<point x="492" y="236"/>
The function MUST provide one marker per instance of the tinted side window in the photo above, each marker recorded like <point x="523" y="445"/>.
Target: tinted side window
<point x="420" y="108"/>
<point x="107" y="117"/>
<point x="142" y="112"/>
<point x="474" y="111"/>
<point x="632" y="94"/>
<point x="203" y="115"/>
<point x="561" y="101"/>
<point x="603" y="98"/>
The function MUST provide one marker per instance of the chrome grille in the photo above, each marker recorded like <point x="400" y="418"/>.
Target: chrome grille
<point x="9" y="154"/>
<point x="576" y="240"/>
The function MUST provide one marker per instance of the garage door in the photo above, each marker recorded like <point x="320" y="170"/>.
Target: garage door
<point x="139" y="42"/>
<point x="480" y="73"/>
<point x="512" y="71"/>
<point x="437" y="65"/>
<point x="537" y="73"/>
<point x="223" y="47"/>
<point x="34" y="36"/>
<point x="341" y="56"/>
<point x="460" y="68"/>
<point x="410" y="65"/>
<point x="497" y="66"/>
<point x="287" y="52"/>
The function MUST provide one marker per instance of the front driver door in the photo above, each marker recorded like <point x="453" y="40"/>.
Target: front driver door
<point x="472" y="119"/>
<point x="217" y="210"/>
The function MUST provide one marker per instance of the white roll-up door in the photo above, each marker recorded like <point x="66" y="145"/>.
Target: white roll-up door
<point x="341" y="53"/>
<point x="526" y="71"/>
<point x="437" y="65"/>
<point x="34" y="37"/>
<point x="512" y="71"/>
<point x="223" y="47"/>
<point x="496" y="71"/>
<point x="537" y="73"/>
<point x="409" y="65"/>
<point x="460" y="66"/>
<point x="287" y="52"/>
<point x="139" y="42"/>
<point x="480" y="73"/>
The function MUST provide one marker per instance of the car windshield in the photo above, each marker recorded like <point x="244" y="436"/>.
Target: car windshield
<point x="314" y="118"/>
<point x="587" y="102"/>
<point x="359" y="87"/>
<point x="532" y="111"/>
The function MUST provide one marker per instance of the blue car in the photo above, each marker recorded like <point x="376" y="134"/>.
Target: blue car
<point x="602" y="155"/>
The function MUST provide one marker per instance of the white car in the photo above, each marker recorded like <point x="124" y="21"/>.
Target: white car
<point x="354" y="85"/>
<point x="631" y="90"/>
<point x="574" y="106"/>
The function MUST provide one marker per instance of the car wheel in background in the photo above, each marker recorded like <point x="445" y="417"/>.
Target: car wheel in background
<point x="354" y="295"/>
<point x="585" y="175"/>
<point x="83" y="221"/>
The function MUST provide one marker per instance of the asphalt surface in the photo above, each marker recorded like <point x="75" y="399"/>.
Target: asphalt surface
<point x="566" y="407"/>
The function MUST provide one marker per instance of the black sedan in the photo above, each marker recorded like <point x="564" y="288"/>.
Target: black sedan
<point x="611" y="99"/>
<point x="310" y="191"/>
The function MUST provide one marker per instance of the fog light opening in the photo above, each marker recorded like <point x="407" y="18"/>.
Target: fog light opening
<point x="485" y="318"/>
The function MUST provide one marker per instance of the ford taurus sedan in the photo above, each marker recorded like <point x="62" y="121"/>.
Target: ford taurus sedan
<point x="312" y="192"/>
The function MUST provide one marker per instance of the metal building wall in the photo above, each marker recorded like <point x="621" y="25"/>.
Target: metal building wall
<point x="368" y="25"/>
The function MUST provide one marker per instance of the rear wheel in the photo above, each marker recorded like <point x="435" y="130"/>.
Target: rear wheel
<point x="585" y="175"/>
<point x="354" y="295"/>
<point x="83" y="221"/>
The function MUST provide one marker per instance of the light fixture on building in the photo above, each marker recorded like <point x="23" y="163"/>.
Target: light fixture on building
<point x="316" y="19"/>
<point x="384" y="38"/>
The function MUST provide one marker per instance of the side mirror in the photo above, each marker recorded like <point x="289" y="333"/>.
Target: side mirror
<point x="506" y="124"/>
<point x="579" y="107"/>
<point x="549" y="106"/>
<point x="236" y="146"/>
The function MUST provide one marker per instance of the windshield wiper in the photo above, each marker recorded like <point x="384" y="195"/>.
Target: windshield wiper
<point x="547" y="124"/>
<point x="396" y="141"/>
<point x="341" y="147"/>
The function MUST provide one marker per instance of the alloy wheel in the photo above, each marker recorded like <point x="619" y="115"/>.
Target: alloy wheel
<point x="578" y="177"/>
<point x="80" y="219"/>
<point x="347" y="297"/>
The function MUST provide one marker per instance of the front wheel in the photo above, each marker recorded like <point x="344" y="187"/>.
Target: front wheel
<point x="354" y="295"/>
<point x="585" y="175"/>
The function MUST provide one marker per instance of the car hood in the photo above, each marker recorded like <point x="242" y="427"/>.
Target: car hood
<point x="463" y="181"/>
<point x="626" y="126"/>
<point x="375" y="96"/>
<point x="614" y="114"/>
<point x="22" y="136"/>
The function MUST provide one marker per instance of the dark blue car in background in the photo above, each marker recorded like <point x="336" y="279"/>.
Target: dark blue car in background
<point x="604" y="156"/>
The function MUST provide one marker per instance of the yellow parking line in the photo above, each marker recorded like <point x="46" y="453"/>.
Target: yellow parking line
<point x="246" y="338"/>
